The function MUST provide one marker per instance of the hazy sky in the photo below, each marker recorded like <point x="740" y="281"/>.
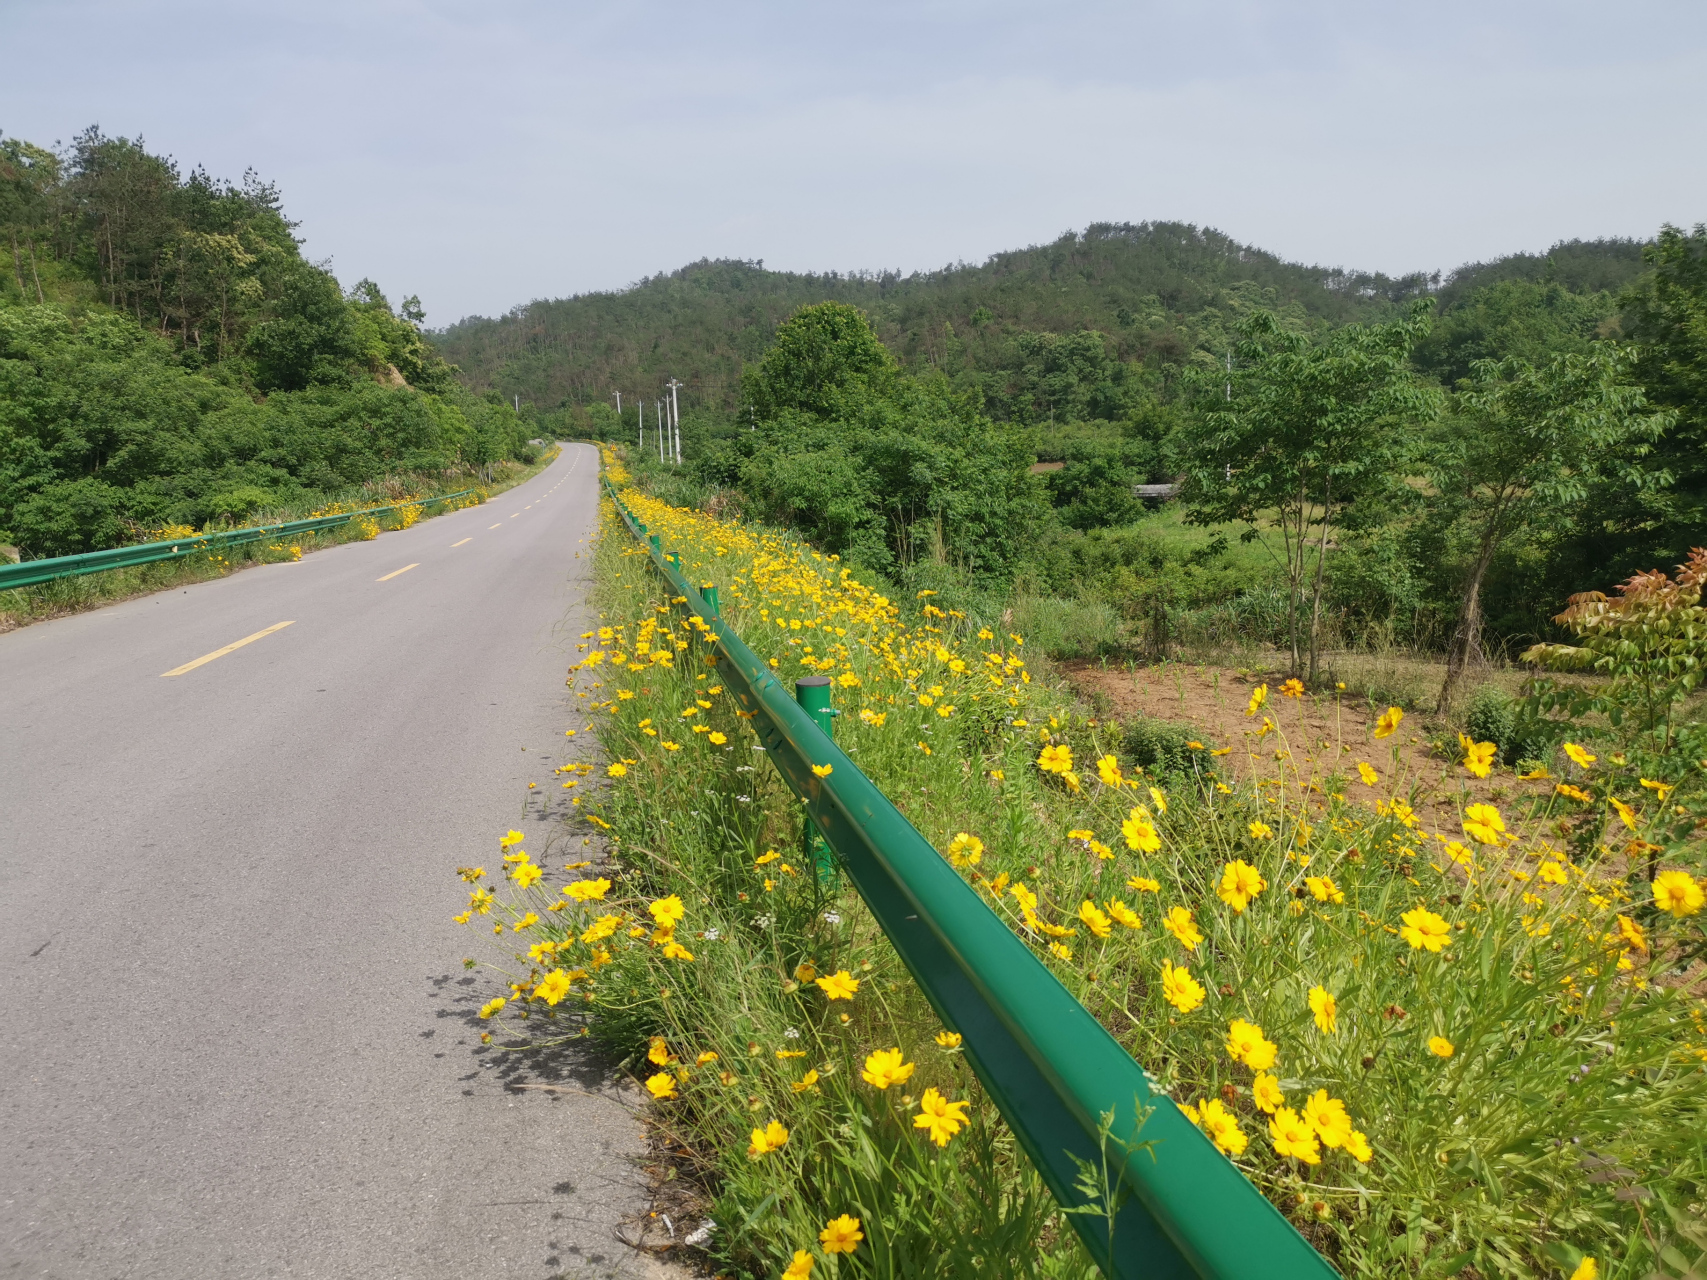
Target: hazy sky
<point x="484" y="154"/>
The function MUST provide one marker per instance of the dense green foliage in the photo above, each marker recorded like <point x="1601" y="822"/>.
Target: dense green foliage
<point x="168" y="356"/>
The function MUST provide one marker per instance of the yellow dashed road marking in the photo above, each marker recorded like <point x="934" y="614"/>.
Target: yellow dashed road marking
<point x="405" y="569"/>
<point x="220" y="653"/>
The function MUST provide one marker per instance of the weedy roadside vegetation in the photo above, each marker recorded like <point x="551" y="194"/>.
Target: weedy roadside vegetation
<point x="410" y="498"/>
<point x="1470" y="1051"/>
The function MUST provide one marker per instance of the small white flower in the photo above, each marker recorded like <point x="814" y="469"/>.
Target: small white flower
<point x="745" y="799"/>
<point x="763" y="922"/>
<point x="792" y="1034"/>
<point x="831" y="917"/>
<point x="711" y="935"/>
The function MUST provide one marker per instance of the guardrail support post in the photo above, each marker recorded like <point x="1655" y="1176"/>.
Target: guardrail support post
<point x="813" y="695"/>
<point x="656" y="545"/>
<point x="709" y="591"/>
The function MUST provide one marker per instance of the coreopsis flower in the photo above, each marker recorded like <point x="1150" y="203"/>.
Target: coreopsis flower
<point x="1323" y="889"/>
<point x="1626" y="814"/>
<point x="1072" y="781"/>
<point x="1056" y="759"/>
<point x="1123" y="915"/>
<point x="1247" y="1044"/>
<point x="1179" y="988"/>
<point x="1143" y="884"/>
<point x="601" y="929"/>
<point x="509" y="838"/>
<point x="706" y="1058"/>
<point x="823" y="770"/>
<point x="1159" y="799"/>
<point x="1587" y="1269"/>
<point x="885" y="1067"/>
<point x="717" y="739"/>
<point x="587" y="890"/>
<point x="1261" y="831"/>
<point x="1578" y="755"/>
<point x="1325" y="1009"/>
<point x="616" y="769"/>
<point x="841" y="1235"/>
<point x="1358" y="1148"/>
<point x="1178" y="922"/>
<point x="965" y="850"/>
<point x="673" y="950"/>
<point x="1259" y="695"/>
<point x="773" y="1137"/>
<point x="1633" y="935"/>
<point x="1108" y="769"/>
<point x="800" y="1268"/>
<point x="1483" y="824"/>
<point x="873" y="718"/>
<point x="1573" y="793"/>
<point x="553" y="987"/>
<point x="668" y="912"/>
<point x="1661" y="789"/>
<point x="939" y="1117"/>
<point x="525" y="875"/>
<point x="840" y="985"/>
<point x="1327" y="1116"/>
<point x="1369" y="776"/>
<point x="1424" y="930"/>
<point x="1293" y="1136"/>
<point x="1552" y="873"/>
<point x="1293" y="688"/>
<point x="948" y="1039"/>
<point x="1060" y="950"/>
<point x="1221" y="1126"/>
<point x="1478" y="756"/>
<point x="1240" y="882"/>
<point x="1678" y="893"/>
<point x="807" y="1081"/>
<point x="1140" y="834"/>
<point x="658" y="1052"/>
<point x="1440" y="1047"/>
<point x="1388" y="722"/>
<point x="661" y="1086"/>
<point x="492" y="1006"/>
<point x="1094" y="919"/>
<point x="1266" y="1093"/>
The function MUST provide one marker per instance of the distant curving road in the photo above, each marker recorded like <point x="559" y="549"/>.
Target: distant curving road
<point x="237" y="1040"/>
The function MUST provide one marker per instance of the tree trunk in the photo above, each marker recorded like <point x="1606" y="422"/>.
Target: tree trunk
<point x="34" y="273"/>
<point x="1466" y="648"/>
<point x="17" y="266"/>
<point x="1316" y="599"/>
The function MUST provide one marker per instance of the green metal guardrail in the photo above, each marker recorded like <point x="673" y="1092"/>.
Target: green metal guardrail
<point x="1184" y="1209"/>
<point x="30" y="573"/>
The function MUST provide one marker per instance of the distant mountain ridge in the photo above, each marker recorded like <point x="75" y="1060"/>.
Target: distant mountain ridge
<point x="1161" y="293"/>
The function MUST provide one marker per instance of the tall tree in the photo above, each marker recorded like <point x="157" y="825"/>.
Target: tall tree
<point x="1521" y="452"/>
<point x="1305" y="430"/>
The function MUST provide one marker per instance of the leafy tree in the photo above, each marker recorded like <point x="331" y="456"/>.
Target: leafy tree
<point x="1305" y="431"/>
<point x="1527" y="319"/>
<point x="1520" y="454"/>
<point x="824" y="361"/>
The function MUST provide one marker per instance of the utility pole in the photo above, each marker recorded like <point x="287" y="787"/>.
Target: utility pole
<point x="676" y="418"/>
<point x="618" y="396"/>
<point x="663" y="455"/>
<point x="518" y="401"/>
<point x="640" y="413"/>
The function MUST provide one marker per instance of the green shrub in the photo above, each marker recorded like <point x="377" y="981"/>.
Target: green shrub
<point x="1163" y="747"/>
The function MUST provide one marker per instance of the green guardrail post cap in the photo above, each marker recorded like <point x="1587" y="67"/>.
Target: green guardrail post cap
<point x="656" y="544"/>
<point x="708" y="592"/>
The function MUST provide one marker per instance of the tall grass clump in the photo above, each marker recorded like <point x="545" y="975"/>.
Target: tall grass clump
<point x="1462" y="1051"/>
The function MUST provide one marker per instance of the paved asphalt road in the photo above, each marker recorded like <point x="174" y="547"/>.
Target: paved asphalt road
<point x="237" y="1039"/>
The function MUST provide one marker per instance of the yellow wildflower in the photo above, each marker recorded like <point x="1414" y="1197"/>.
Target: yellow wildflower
<point x="1678" y="893"/>
<point x="800" y="1268"/>
<point x="492" y="1006"/>
<point x="668" y="912"/>
<point x="1388" y="722"/>
<point x="1094" y="919"/>
<point x="1293" y="688"/>
<point x="1056" y="759"/>
<point x="1573" y="793"/>
<point x="1483" y="824"/>
<point x="1266" y="1093"/>
<point x="807" y="1081"/>
<point x="885" y="1067"/>
<point x="587" y="890"/>
<point x="1178" y="922"/>
<point x="838" y="986"/>
<point x="1587" y="1269"/>
<point x="1240" y="882"/>
<point x="1323" y="889"/>
<point x="1221" y="1125"/>
<point x="509" y="838"/>
<point x="1369" y="776"/>
<point x="965" y="850"/>
<point x="1140" y="834"/>
<point x="658" y="1054"/>
<point x="1662" y="789"/>
<point x="706" y="1058"/>
<point x="939" y="1117"/>
<point x="1108" y="769"/>
<point x="1179" y="988"/>
<point x="1123" y="914"/>
<point x="841" y="1235"/>
<point x="823" y="770"/>
<point x="1327" y="1116"/>
<point x="1633" y="934"/>
<point x="1325" y="1008"/>
<point x="1626" y="814"/>
<point x="661" y="1086"/>
<point x="1247" y="1044"/>
<point x="773" y="1137"/>
<point x="1261" y="831"/>
<point x="1293" y="1136"/>
<point x="1425" y="930"/>
<point x="1159" y="799"/>
<point x="553" y="987"/>
<point x="1478" y="756"/>
<point x="1577" y="754"/>
<point x="948" y="1039"/>
<point x="718" y="739"/>
<point x="617" y="769"/>
<point x="1143" y="884"/>
<point x="525" y="875"/>
<point x="1259" y="695"/>
<point x="1441" y="1047"/>
<point x="1357" y="1146"/>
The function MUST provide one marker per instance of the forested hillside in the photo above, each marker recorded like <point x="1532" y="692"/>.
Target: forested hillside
<point x="1053" y="333"/>
<point x="167" y="356"/>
